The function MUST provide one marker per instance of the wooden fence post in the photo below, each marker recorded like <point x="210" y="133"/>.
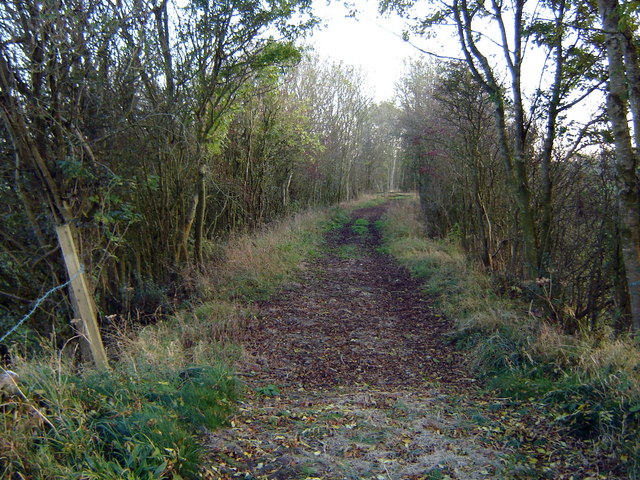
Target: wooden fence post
<point x="81" y="296"/>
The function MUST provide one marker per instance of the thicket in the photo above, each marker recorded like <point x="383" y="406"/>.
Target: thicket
<point x="154" y="130"/>
<point x="508" y="156"/>
<point x="449" y="137"/>
<point x="590" y="384"/>
<point x="170" y="382"/>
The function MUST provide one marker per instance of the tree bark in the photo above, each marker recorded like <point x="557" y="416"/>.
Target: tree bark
<point x="200" y="211"/>
<point x="621" y="87"/>
<point x="162" y="27"/>
<point x="183" y="248"/>
<point x="512" y="154"/>
<point x="547" y="147"/>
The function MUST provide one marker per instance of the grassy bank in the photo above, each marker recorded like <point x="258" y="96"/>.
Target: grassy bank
<point x="169" y="381"/>
<point x="590" y="386"/>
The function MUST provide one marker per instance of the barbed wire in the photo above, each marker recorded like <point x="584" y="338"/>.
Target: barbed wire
<point x="39" y="301"/>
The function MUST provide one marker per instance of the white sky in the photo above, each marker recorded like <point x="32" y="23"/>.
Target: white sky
<point x="367" y="42"/>
<point x="373" y="43"/>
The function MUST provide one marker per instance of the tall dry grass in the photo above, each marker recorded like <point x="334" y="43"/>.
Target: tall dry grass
<point x="592" y="383"/>
<point x="168" y="380"/>
<point x="264" y="259"/>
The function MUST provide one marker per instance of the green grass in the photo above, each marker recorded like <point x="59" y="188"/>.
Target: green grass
<point x="337" y="219"/>
<point x="347" y="251"/>
<point x="118" y="424"/>
<point x="435" y="473"/>
<point x="361" y="227"/>
<point x="371" y="201"/>
<point x="268" y="391"/>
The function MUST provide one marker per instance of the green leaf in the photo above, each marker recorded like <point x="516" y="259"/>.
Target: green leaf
<point x="161" y="468"/>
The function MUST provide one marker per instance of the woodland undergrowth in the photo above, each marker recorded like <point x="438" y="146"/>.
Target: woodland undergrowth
<point x="589" y="385"/>
<point x="169" y="382"/>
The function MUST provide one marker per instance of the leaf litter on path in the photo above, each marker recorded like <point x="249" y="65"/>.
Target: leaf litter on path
<point x="349" y="377"/>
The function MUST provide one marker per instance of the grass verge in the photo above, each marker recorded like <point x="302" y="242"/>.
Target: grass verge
<point x="253" y="266"/>
<point x="117" y="424"/>
<point x="169" y="383"/>
<point x="590" y="386"/>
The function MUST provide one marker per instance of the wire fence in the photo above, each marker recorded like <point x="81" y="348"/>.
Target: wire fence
<point x="38" y="302"/>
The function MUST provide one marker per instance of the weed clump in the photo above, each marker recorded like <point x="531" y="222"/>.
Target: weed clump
<point x="118" y="424"/>
<point x="337" y="219"/>
<point x="361" y="227"/>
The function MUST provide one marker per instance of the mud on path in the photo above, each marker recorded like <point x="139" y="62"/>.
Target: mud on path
<point x="350" y="378"/>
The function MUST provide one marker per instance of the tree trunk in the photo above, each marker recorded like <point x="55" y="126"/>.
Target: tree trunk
<point x="392" y="172"/>
<point x="200" y="211"/>
<point x="516" y="177"/>
<point x="520" y="180"/>
<point x="547" y="149"/>
<point x="513" y="155"/>
<point x="183" y="248"/>
<point x="162" y="28"/>
<point x="286" y="191"/>
<point x="629" y="204"/>
<point x="479" y="214"/>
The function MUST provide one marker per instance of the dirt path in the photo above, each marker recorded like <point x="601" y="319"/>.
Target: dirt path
<point x="351" y="379"/>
